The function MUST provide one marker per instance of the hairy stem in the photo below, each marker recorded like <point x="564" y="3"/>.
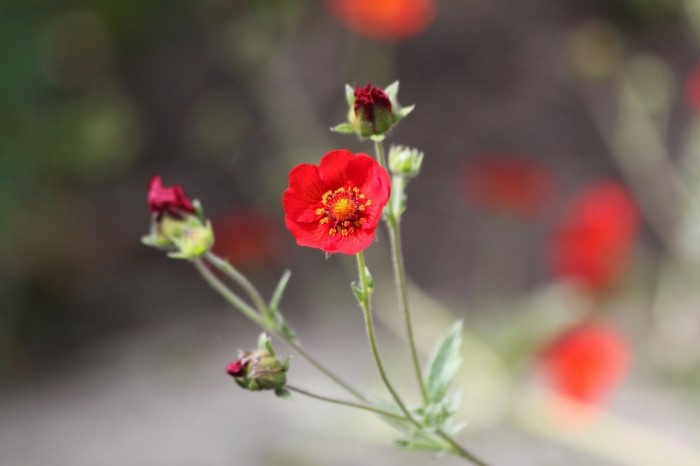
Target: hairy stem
<point x="350" y="404"/>
<point x="249" y="312"/>
<point x="393" y="225"/>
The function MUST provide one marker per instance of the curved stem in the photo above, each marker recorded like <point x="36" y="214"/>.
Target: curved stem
<point x="227" y="294"/>
<point x="350" y="404"/>
<point x="348" y="388"/>
<point x="249" y="312"/>
<point x="252" y="292"/>
<point x="367" y="311"/>
<point x="459" y="450"/>
<point x="400" y="279"/>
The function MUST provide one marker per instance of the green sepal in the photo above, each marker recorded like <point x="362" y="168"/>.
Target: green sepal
<point x="392" y="91"/>
<point x="350" y="95"/>
<point x="405" y="111"/>
<point x="283" y="393"/>
<point x="343" y="128"/>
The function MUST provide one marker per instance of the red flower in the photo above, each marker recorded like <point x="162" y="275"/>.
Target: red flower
<point x="386" y="20"/>
<point x="337" y="205"/>
<point x="594" y="240"/>
<point x="587" y="362"/>
<point x="237" y="368"/>
<point x="172" y="201"/>
<point x="506" y="183"/>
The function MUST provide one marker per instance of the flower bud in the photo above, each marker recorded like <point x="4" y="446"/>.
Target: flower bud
<point x="260" y="369"/>
<point x="372" y="111"/>
<point x="177" y="223"/>
<point x="405" y="161"/>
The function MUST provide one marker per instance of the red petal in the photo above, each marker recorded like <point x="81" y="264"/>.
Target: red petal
<point x="333" y="168"/>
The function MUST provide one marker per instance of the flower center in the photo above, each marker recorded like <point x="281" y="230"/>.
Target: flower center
<point x="343" y="210"/>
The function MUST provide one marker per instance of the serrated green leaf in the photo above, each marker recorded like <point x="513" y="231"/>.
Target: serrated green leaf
<point x="279" y="291"/>
<point x="444" y="363"/>
<point x="344" y="128"/>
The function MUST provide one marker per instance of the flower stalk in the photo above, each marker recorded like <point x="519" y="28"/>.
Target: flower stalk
<point x="265" y="324"/>
<point x="393" y="225"/>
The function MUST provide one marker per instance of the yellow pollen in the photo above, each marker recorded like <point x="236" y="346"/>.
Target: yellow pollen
<point x="345" y="232"/>
<point x="361" y="208"/>
<point x="324" y="220"/>
<point x="343" y="209"/>
<point x="319" y="211"/>
<point x="369" y="202"/>
<point x="331" y="232"/>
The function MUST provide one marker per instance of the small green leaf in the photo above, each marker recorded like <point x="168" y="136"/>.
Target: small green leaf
<point x="370" y="281"/>
<point x="423" y="442"/>
<point x="350" y="95"/>
<point x="344" y="128"/>
<point x="359" y="293"/>
<point x="377" y="137"/>
<point x="444" y="362"/>
<point x="279" y="291"/>
<point x="283" y="393"/>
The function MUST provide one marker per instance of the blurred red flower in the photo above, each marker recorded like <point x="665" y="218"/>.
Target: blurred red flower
<point x="587" y="362"/>
<point x="172" y="201"/>
<point x="246" y="237"/>
<point x="692" y="89"/>
<point x="385" y="20"/>
<point x="594" y="239"/>
<point x="508" y="184"/>
<point x="336" y="206"/>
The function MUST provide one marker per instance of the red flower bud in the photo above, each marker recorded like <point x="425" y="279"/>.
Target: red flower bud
<point x="172" y="201"/>
<point x="237" y="368"/>
<point x="367" y="99"/>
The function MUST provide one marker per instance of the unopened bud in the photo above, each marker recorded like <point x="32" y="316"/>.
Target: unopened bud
<point x="260" y="369"/>
<point x="372" y="111"/>
<point x="405" y="161"/>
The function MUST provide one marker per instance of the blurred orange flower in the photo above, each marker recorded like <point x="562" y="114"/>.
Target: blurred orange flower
<point x="506" y="183"/>
<point x="246" y="238"/>
<point x="587" y="362"/>
<point x="595" y="237"/>
<point x="385" y="20"/>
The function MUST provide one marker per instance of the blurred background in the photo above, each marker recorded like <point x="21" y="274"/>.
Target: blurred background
<point x="557" y="213"/>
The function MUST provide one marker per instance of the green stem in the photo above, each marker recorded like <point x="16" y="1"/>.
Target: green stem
<point x="393" y="224"/>
<point x="351" y="404"/>
<point x="227" y="294"/>
<point x="252" y="292"/>
<point x="348" y="388"/>
<point x="379" y="150"/>
<point x="367" y="310"/>
<point x="249" y="312"/>
<point x="400" y="279"/>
